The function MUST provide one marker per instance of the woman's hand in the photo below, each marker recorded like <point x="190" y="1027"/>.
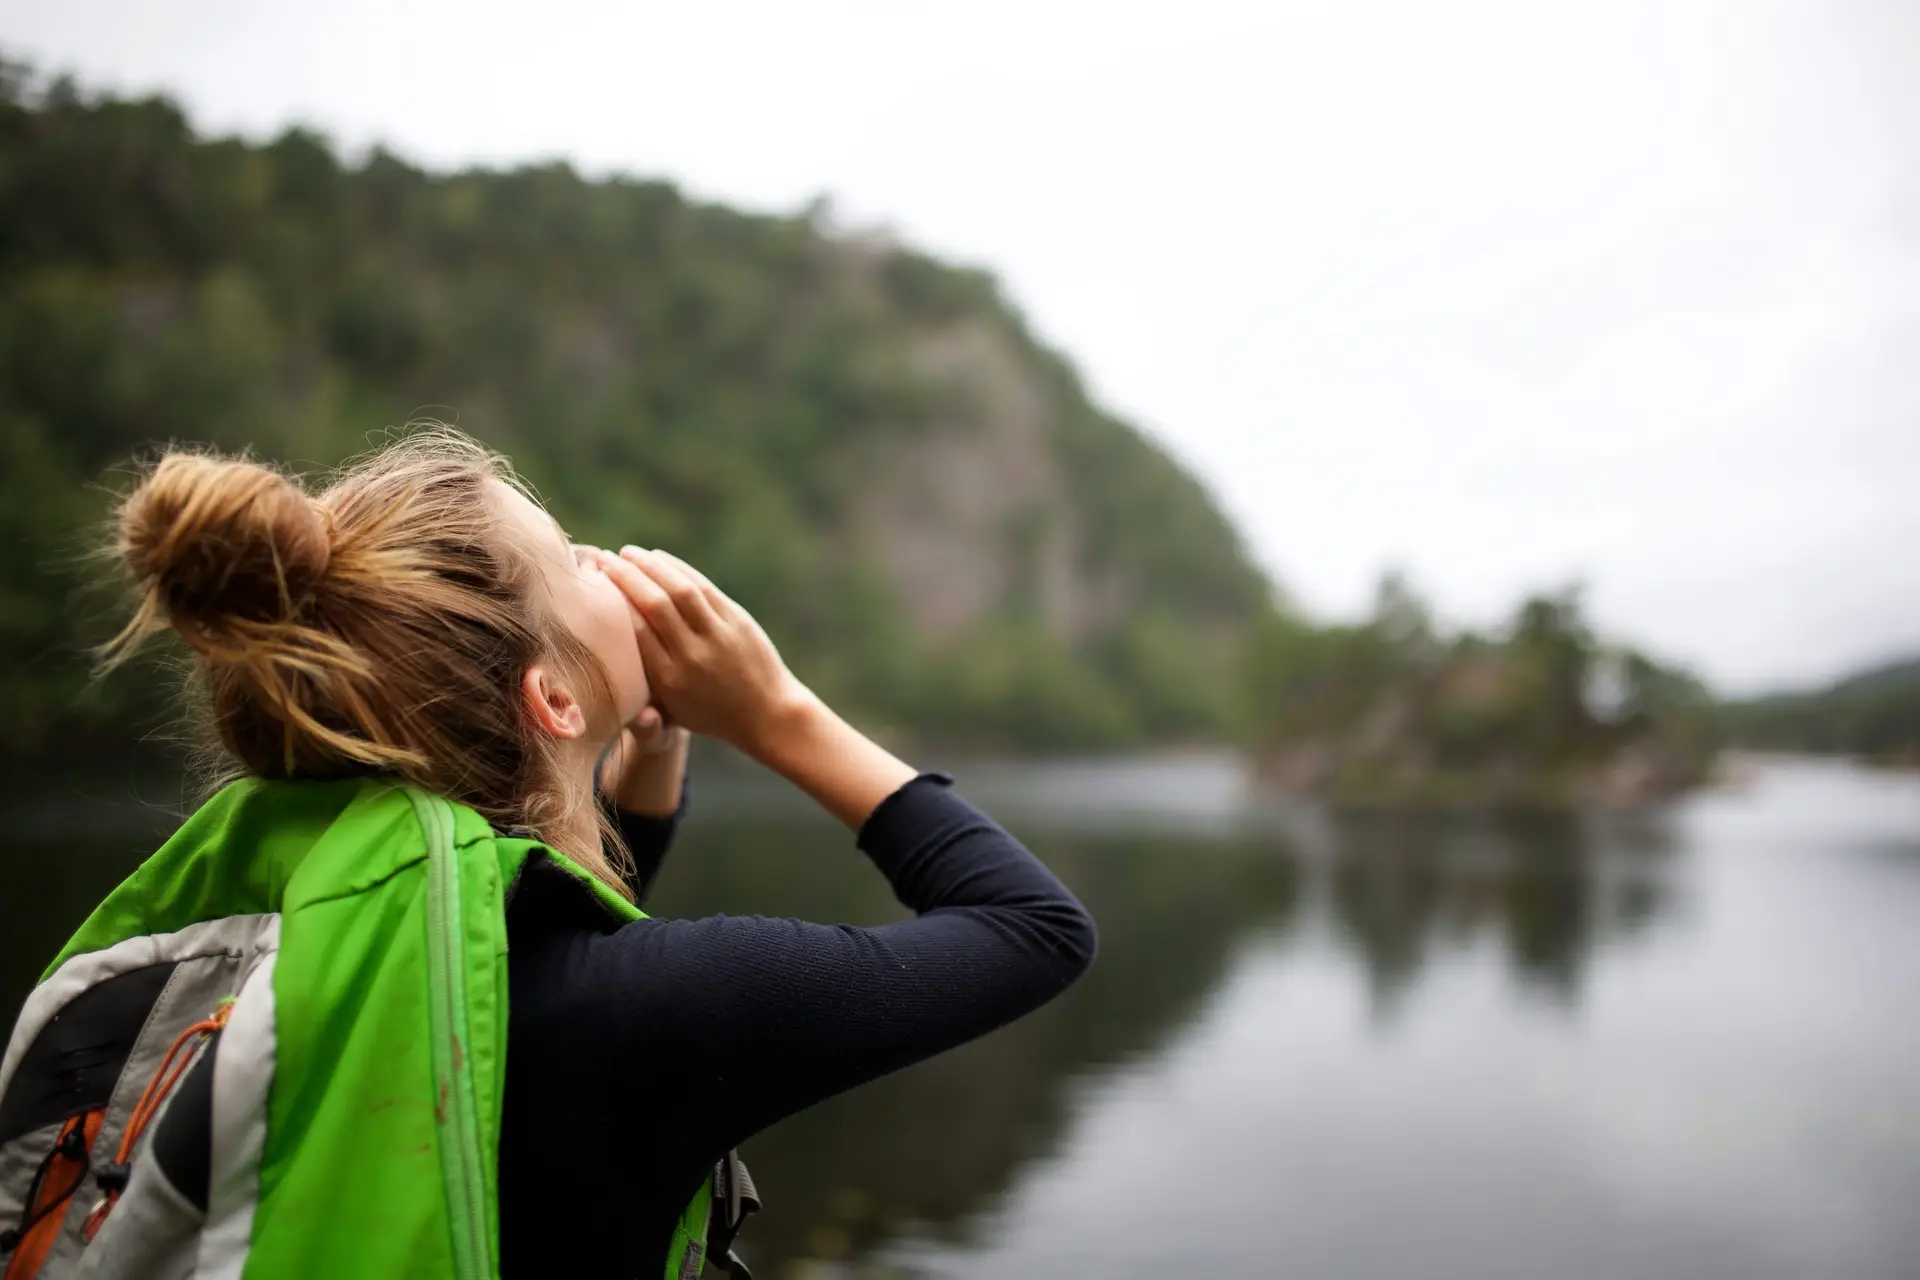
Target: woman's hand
<point x="713" y="670"/>
<point x="711" y="667"/>
<point x="652" y="734"/>
<point x="644" y="771"/>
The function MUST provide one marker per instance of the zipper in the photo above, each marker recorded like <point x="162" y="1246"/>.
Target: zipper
<point x="462" y="1166"/>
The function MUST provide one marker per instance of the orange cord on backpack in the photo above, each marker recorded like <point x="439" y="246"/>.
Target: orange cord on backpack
<point x="165" y="1076"/>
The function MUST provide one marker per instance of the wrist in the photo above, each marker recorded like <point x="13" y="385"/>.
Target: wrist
<point x="790" y="724"/>
<point x="845" y="772"/>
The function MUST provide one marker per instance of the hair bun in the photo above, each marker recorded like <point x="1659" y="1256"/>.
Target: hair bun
<point x="215" y="542"/>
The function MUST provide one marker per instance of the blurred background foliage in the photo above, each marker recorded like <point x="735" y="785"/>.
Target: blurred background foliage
<point x="866" y="446"/>
<point x="1874" y="715"/>
<point x="1541" y="713"/>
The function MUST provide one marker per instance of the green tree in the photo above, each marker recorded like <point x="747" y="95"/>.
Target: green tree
<point x="735" y="387"/>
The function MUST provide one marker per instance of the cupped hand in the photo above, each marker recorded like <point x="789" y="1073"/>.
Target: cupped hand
<point x="644" y="770"/>
<point x="710" y="666"/>
<point x="651" y="733"/>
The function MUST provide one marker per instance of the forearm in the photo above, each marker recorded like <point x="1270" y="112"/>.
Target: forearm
<point x="844" y="771"/>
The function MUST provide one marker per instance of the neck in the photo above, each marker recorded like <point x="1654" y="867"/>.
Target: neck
<point x="579" y="833"/>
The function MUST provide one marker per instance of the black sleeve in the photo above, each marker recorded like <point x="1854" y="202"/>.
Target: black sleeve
<point x="647" y="838"/>
<point x="768" y="1016"/>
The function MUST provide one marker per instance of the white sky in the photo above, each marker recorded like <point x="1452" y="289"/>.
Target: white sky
<point x="1501" y="291"/>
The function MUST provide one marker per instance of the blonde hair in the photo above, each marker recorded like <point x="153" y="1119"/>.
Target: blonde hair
<point x="381" y="625"/>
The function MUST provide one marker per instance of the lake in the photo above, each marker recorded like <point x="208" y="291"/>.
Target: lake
<point x="1681" y="1044"/>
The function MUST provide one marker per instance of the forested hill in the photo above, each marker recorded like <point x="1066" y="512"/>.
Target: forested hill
<point x="1874" y="714"/>
<point x="865" y="445"/>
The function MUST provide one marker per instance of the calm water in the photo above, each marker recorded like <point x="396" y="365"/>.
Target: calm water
<point x="1675" y="1046"/>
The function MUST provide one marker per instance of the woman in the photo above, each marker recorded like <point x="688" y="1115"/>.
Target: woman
<point x="452" y="720"/>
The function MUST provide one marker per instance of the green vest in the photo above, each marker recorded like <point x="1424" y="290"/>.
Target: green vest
<point x="351" y="939"/>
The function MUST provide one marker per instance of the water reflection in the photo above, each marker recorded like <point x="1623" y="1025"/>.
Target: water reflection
<point x="1551" y="886"/>
<point x="64" y="859"/>
<point x="1662" y="1044"/>
<point x="930" y="1151"/>
<point x="1717" y="1082"/>
<point x="928" y="1148"/>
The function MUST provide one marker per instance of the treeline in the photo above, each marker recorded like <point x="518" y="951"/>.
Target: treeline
<point x="1874" y="715"/>
<point x="864" y="445"/>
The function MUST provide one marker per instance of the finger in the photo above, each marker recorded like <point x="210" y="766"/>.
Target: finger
<point x="648" y="723"/>
<point x="698" y="578"/>
<point x="724" y="605"/>
<point x="648" y="598"/>
<point x="654" y="658"/>
<point x="687" y="595"/>
<point x="632" y="583"/>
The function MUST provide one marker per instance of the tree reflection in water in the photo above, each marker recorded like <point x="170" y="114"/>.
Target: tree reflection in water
<point x="930" y="1149"/>
<point x="1550" y="886"/>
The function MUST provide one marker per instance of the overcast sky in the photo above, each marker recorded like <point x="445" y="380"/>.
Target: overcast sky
<point x="1501" y="291"/>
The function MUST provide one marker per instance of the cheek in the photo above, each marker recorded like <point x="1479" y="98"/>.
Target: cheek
<point x="591" y="607"/>
<point x="613" y="641"/>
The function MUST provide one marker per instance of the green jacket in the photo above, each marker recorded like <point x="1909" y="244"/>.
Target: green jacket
<point x="358" y="929"/>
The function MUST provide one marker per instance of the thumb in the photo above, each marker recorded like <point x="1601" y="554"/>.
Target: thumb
<point x="653" y="654"/>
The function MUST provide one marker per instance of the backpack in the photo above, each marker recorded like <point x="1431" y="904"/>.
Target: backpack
<point x="278" y="1049"/>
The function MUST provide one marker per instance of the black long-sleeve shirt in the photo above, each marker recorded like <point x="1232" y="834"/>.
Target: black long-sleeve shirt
<point x="638" y="1055"/>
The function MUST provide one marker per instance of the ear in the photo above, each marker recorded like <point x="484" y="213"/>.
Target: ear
<point x="552" y="705"/>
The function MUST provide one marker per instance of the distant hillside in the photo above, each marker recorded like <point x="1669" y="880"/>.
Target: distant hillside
<point x="1874" y="714"/>
<point x="865" y="445"/>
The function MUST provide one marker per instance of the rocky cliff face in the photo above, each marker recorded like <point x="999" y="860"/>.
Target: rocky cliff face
<point x="975" y="509"/>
